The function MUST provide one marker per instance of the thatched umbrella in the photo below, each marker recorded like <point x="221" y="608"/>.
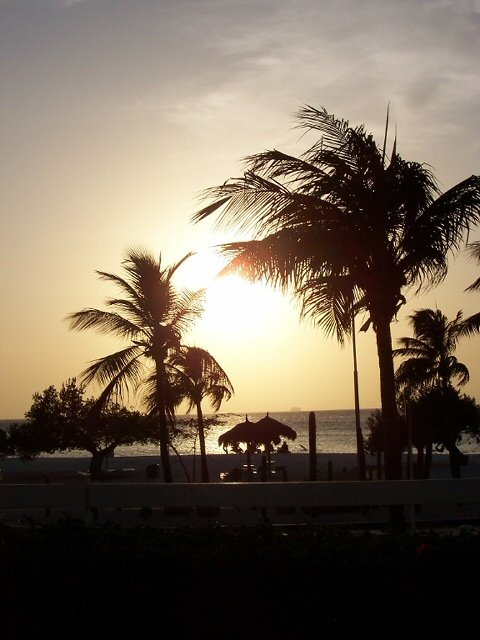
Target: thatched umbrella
<point x="267" y="431"/>
<point x="244" y="433"/>
<point x="272" y="431"/>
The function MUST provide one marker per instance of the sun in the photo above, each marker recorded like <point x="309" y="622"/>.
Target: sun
<point x="240" y="307"/>
<point x="234" y="306"/>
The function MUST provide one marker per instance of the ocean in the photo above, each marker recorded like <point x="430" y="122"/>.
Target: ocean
<point x="335" y="433"/>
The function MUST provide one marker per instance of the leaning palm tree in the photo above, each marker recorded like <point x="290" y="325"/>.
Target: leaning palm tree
<point x="342" y="225"/>
<point x="471" y="324"/>
<point x="151" y="316"/>
<point x="197" y="376"/>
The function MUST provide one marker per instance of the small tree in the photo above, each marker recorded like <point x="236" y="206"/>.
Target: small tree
<point x="437" y="419"/>
<point x="64" y="421"/>
<point x="374" y="441"/>
<point x="442" y="417"/>
<point x="101" y="433"/>
<point x="49" y="421"/>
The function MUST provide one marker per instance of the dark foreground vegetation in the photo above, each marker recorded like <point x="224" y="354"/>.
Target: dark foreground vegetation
<point x="69" y="581"/>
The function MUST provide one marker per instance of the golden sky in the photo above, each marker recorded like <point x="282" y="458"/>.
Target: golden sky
<point x="115" y="114"/>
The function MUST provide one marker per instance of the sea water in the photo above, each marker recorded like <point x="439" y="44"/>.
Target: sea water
<point x="335" y="433"/>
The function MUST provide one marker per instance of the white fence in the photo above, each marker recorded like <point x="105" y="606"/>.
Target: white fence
<point x="158" y="504"/>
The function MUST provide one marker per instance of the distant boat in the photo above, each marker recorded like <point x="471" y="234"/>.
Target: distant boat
<point x="295" y="409"/>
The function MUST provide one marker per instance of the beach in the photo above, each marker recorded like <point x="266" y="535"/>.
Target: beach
<point x="130" y="484"/>
<point x="286" y="466"/>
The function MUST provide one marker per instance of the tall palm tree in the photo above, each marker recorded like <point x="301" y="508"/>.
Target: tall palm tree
<point x="471" y="324"/>
<point x="198" y="376"/>
<point x="151" y="316"/>
<point x="342" y="224"/>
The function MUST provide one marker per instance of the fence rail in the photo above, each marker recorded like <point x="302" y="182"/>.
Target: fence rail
<point x="286" y="502"/>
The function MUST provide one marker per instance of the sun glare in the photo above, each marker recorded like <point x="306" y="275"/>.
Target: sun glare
<point x="240" y="307"/>
<point x="234" y="306"/>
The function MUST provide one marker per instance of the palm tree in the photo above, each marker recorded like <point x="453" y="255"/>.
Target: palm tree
<point x="471" y="324"/>
<point x="197" y="376"/>
<point x="428" y="356"/>
<point x="429" y="365"/>
<point x="151" y="317"/>
<point x="340" y="225"/>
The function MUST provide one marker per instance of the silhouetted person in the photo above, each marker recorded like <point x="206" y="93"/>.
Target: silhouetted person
<point x="263" y="469"/>
<point x="284" y="448"/>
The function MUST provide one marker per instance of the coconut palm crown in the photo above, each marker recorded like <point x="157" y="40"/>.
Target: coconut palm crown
<point x="471" y="325"/>
<point x="345" y="228"/>
<point x="151" y="316"/>
<point x="428" y="359"/>
<point x="197" y="376"/>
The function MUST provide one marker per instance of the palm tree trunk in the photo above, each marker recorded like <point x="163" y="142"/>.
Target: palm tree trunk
<point x="96" y="464"/>
<point x="420" y="463"/>
<point x="164" y="444"/>
<point x="362" y="467"/>
<point x="393" y="451"/>
<point x="428" y="461"/>
<point x="456" y="459"/>
<point x="203" y="449"/>
<point x="162" y="424"/>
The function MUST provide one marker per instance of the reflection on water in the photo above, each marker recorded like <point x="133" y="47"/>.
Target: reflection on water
<point x="335" y="433"/>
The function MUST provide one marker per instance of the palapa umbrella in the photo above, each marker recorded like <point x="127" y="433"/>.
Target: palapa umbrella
<point x="272" y="431"/>
<point x="266" y="431"/>
<point x="243" y="432"/>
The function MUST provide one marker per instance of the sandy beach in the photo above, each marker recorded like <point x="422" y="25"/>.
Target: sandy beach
<point x="126" y="472"/>
<point x="288" y="466"/>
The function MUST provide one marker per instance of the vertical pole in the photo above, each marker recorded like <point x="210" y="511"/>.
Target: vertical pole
<point x="358" y="427"/>
<point x="406" y="400"/>
<point x="312" y="445"/>
<point x="409" y="433"/>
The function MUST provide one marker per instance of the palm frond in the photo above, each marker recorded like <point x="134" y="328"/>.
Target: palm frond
<point x="459" y="371"/>
<point x="471" y="325"/>
<point x="428" y="356"/>
<point x="104" y="322"/>
<point x="328" y="302"/>
<point x="120" y="282"/>
<point x="123" y="366"/>
<point x="218" y="393"/>
<point x="136" y="314"/>
<point x="169" y="393"/>
<point x="186" y="307"/>
<point x="168" y="275"/>
<point x="475" y="286"/>
<point x="473" y="251"/>
<point x="198" y="375"/>
<point x="455" y="211"/>
<point x="275" y="164"/>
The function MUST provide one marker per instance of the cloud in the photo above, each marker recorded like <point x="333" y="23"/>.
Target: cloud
<point x="62" y="4"/>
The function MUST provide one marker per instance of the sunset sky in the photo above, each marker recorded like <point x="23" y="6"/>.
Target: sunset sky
<point x="116" y="114"/>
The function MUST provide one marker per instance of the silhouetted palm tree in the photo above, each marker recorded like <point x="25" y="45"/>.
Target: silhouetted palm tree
<point x="428" y="359"/>
<point x="152" y="316"/>
<point x="340" y="223"/>
<point x="426" y="376"/>
<point x="471" y="324"/>
<point x="197" y="376"/>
